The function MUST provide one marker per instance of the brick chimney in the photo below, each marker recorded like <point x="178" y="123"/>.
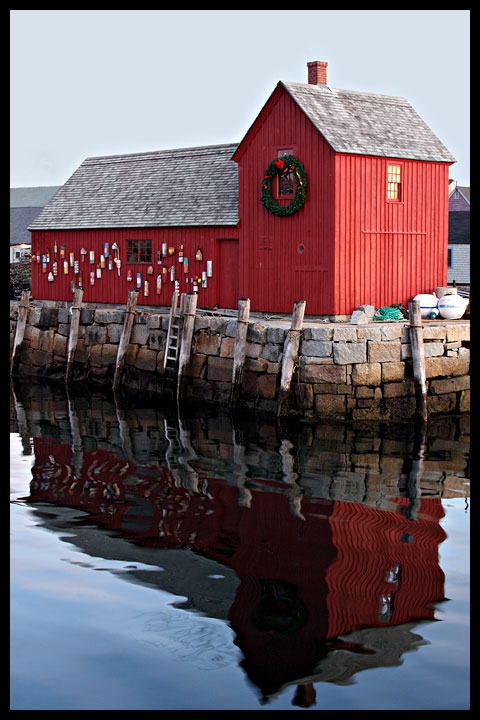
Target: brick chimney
<point x="317" y="72"/>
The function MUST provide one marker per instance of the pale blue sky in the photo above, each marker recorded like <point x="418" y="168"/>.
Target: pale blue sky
<point x="101" y="82"/>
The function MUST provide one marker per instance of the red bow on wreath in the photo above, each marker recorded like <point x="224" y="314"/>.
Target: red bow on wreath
<point x="280" y="164"/>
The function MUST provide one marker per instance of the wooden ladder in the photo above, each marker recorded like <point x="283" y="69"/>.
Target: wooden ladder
<point x="170" y="360"/>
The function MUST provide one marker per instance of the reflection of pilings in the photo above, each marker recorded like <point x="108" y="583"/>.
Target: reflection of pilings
<point x="295" y="492"/>
<point x="416" y="473"/>
<point x="77" y="442"/>
<point x="241" y="469"/>
<point x="178" y="454"/>
<point x="187" y="453"/>
<point x="22" y="422"/>
<point x="123" y="428"/>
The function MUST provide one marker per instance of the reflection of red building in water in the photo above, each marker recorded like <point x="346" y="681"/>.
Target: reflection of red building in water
<point x="309" y="572"/>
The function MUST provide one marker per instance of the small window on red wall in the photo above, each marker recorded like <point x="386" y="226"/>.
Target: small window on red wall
<point x="139" y="251"/>
<point x="394" y="182"/>
<point x="286" y="182"/>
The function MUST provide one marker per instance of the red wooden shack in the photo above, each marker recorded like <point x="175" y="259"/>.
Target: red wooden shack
<point x="357" y="212"/>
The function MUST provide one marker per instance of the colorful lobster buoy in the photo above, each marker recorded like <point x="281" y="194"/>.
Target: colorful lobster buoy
<point x="129" y="275"/>
<point x="146" y="288"/>
<point x="139" y="281"/>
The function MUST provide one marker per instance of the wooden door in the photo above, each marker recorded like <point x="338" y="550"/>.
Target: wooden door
<point x="227" y="253"/>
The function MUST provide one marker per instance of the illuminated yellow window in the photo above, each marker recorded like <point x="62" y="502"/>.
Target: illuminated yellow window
<point x="394" y="182"/>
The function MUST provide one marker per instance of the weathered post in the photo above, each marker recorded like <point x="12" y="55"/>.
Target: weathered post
<point x="290" y="355"/>
<point x="186" y="343"/>
<point x="418" y="359"/>
<point x="240" y="347"/>
<point x="125" y="337"/>
<point x="73" y="334"/>
<point x="21" y="323"/>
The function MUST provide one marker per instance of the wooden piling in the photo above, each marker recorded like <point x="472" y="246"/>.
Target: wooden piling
<point x="21" y="323"/>
<point x="189" y="310"/>
<point x="73" y="334"/>
<point x="240" y="347"/>
<point x="290" y="355"/>
<point x="125" y="338"/>
<point x="418" y="359"/>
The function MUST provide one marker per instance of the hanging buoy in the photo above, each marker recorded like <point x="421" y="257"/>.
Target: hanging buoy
<point x="146" y="288"/>
<point x="171" y="250"/>
<point x="172" y="273"/>
<point x="118" y="266"/>
<point x="55" y="268"/>
<point x="185" y="265"/>
<point x="55" y="249"/>
<point x="164" y="249"/>
<point x="72" y="259"/>
<point x="180" y="254"/>
<point x="102" y="261"/>
<point x="62" y="251"/>
<point x="99" y="272"/>
<point x="80" y="281"/>
<point x="50" y="277"/>
<point x="44" y="266"/>
<point x="209" y="268"/>
<point x="199" y="254"/>
<point x="48" y="255"/>
<point x="159" y="284"/>
<point x="204" y="279"/>
<point x="110" y="264"/>
<point x="150" y="270"/>
<point x="92" y="278"/>
<point x="83" y="252"/>
<point x="105" y="250"/>
<point x="65" y="267"/>
<point x="129" y="275"/>
<point x="139" y="280"/>
<point x="92" y="257"/>
<point x="76" y="267"/>
<point x="177" y="286"/>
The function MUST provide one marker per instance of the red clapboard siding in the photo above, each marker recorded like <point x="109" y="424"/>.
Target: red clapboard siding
<point x="387" y="252"/>
<point x="112" y="288"/>
<point x="274" y="272"/>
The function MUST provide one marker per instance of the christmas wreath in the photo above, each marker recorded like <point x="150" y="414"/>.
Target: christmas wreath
<point x="283" y="166"/>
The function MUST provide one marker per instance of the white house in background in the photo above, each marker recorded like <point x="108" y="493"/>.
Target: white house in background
<point x="25" y="204"/>
<point x="458" y="234"/>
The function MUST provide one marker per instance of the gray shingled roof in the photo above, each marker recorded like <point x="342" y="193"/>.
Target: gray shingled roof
<point x="185" y="187"/>
<point x="368" y="124"/>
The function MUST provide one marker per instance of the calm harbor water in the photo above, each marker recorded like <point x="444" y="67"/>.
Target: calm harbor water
<point x="164" y="560"/>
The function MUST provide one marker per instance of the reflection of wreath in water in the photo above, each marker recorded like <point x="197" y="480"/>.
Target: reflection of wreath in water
<point x="280" y="610"/>
<point x="283" y="166"/>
